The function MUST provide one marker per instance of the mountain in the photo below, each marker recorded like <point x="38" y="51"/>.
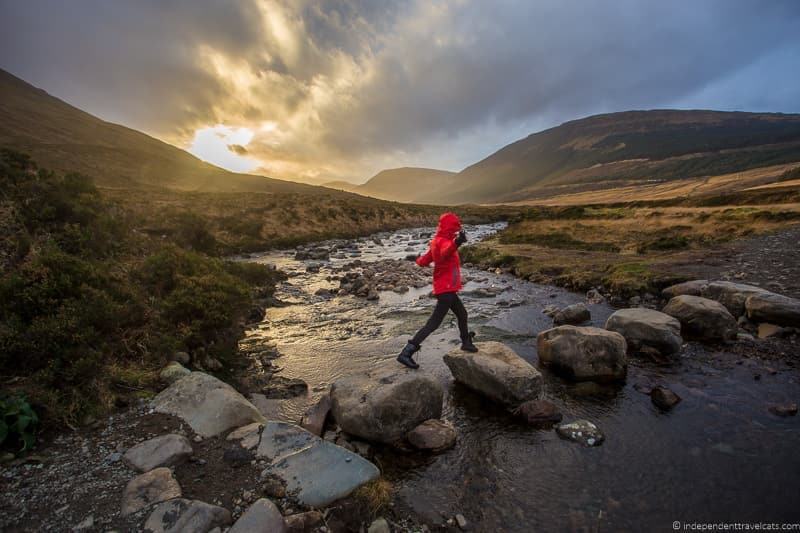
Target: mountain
<point x="407" y="184"/>
<point x="64" y="138"/>
<point x="624" y="149"/>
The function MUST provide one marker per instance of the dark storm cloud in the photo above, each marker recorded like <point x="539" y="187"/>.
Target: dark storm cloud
<point x="349" y="86"/>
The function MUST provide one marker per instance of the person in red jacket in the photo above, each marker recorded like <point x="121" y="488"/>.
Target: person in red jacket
<point x="443" y="253"/>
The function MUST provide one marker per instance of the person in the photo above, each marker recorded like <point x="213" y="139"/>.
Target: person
<point x="443" y="253"/>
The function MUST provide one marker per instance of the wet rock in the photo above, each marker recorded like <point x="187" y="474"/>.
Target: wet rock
<point x="208" y="405"/>
<point x="302" y="522"/>
<point x="186" y="516"/>
<point x="692" y="288"/>
<point x="774" y="308"/>
<point x="314" y="418"/>
<point x="584" y="353"/>
<point x="538" y="413"/>
<point x="702" y="318"/>
<point x="663" y="398"/>
<point x="173" y="372"/>
<point x="155" y="486"/>
<point x="261" y="517"/>
<point x="248" y="436"/>
<point x="385" y="404"/>
<point x="166" y="450"/>
<point x="783" y="410"/>
<point x="732" y="295"/>
<point x="379" y="525"/>
<point x="647" y="328"/>
<point x="433" y="435"/>
<point x="575" y="315"/>
<point x="280" y="387"/>
<point x="316" y="472"/>
<point x="495" y="371"/>
<point x="581" y="431"/>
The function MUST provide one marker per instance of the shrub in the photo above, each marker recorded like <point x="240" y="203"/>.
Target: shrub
<point x="18" y="422"/>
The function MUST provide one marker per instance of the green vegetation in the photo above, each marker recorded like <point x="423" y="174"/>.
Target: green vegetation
<point x="18" y="423"/>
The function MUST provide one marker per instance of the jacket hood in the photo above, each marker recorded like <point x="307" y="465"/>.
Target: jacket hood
<point x="449" y="225"/>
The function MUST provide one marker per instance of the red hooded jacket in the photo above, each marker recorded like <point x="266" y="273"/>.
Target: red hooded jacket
<point x="443" y="253"/>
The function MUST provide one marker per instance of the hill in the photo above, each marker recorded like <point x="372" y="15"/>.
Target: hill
<point x="64" y="138"/>
<point x="627" y="149"/>
<point x="406" y="184"/>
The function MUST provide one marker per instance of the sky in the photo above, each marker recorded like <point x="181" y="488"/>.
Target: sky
<point x="340" y="89"/>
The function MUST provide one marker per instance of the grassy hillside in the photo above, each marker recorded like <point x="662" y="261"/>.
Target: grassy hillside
<point x="64" y="138"/>
<point x="629" y="148"/>
<point x="407" y="184"/>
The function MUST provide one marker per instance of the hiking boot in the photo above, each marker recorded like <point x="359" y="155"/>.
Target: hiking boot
<point x="405" y="356"/>
<point x="466" y="343"/>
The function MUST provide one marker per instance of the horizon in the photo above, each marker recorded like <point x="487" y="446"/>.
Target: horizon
<point x="338" y="92"/>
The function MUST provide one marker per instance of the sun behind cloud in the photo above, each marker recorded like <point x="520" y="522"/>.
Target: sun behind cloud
<point x="225" y="147"/>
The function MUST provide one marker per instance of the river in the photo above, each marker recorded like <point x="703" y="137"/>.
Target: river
<point x="718" y="456"/>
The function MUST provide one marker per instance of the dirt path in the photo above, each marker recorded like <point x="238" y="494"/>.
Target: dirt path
<point x="771" y="261"/>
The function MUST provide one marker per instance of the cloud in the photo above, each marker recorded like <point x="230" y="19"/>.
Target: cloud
<point x="343" y="88"/>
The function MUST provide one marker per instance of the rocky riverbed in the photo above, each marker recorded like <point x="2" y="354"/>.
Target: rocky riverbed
<point x="667" y="428"/>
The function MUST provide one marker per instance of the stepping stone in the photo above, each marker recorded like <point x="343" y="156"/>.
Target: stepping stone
<point x="152" y="487"/>
<point x="166" y="450"/>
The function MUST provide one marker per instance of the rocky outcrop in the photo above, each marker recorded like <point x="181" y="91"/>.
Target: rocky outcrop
<point x="773" y="309"/>
<point x="692" y="288"/>
<point x="432" y="435"/>
<point x="575" y="315"/>
<point x="384" y="405"/>
<point x="147" y="489"/>
<point x="647" y="329"/>
<point x="495" y="371"/>
<point x="165" y="450"/>
<point x="732" y="295"/>
<point x="261" y="517"/>
<point x="208" y="405"/>
<point x="702" y="318"/>
<point x="584" y="353"/>
<point x="186" y="516"/>
<point x="581" y="431"/>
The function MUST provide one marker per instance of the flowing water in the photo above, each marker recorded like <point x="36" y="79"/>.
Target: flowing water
<point x="718" y="456"/>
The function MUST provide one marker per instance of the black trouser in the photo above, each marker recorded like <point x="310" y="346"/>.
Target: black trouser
<point x="448" y="301"/>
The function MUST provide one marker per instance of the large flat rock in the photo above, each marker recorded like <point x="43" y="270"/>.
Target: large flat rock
<point x="186" y="516"/>
<point x="774" y="309"/>
<point x="702" y="318"/>
<point x="497" y="372"/>
<point x="584" y="353"/>
<point x="732" y="295"/>
<point x="208" y="405"/>
<point x="385" y="404"/>
<point x="164" y="450"/>
<point x="647" y="329"/>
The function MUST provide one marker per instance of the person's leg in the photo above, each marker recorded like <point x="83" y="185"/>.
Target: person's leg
<point x="463" y="328"/>
<point x="443" y="304"/>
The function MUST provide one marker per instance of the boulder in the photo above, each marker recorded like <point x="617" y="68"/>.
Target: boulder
<point x="774" y="309"/>
<point x="732" y="295"/>
<point x="647" y="328"/>
<point x="261" y="517"/>
<point x="702" y="318"/>
<point x="155" y="486"/>
<point x="495" y="371"/>
<point x="186" y="516"/>
<point x="434" y="435"/>
<point x="538" y="413"/>
<point x="173" y="372"/>
<point x="584" y="353"/>
<point x="385" y="404"/>
<point x="663" y="398"/>
<point x="166" y="450"/>
<point x="692" y="288"/>
<point x="581" y="431"/>
<point x="314" y="418"/>
<point x="575" y="315"/>
<point x="208" y="405"/>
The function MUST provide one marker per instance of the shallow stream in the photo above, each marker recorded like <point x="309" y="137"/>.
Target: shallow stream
<point x="718" y="456"/>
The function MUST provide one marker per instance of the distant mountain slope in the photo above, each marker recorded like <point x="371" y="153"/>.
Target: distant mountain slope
<point x="631" y="147"/>
<point x="62" y="137"/>
<point x="407" y="184"/>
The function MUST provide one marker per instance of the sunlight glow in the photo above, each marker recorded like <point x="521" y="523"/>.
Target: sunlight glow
<point x="225" y="147"/>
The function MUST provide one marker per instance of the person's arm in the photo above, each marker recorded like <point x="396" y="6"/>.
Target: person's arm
<point x="426" y="259"/>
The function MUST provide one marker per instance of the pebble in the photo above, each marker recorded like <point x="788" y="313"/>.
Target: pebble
<point x="461" y="521"/>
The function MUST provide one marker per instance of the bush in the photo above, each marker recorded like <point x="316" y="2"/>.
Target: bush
<point x="18" y="422"/>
